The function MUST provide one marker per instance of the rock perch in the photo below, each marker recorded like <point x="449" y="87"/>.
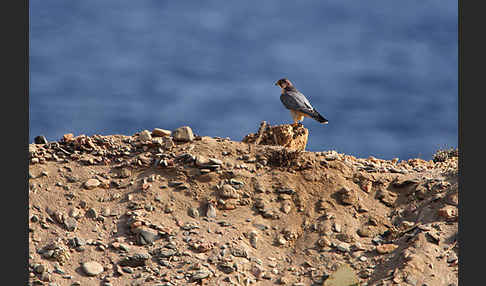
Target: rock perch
<point x="290" y="136"/>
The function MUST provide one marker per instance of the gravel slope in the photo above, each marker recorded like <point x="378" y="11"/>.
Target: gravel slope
<point x="151" y="210"/>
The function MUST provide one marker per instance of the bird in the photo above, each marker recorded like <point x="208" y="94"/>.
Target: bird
<point x="297" y="103"/>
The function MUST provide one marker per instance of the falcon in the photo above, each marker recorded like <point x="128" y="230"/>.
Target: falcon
<point x="297" y="103"/>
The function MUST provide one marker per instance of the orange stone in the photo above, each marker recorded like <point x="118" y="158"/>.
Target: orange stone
<point x="385" y="248"/>
<point x="145" y="186"/>
<point x="448" y="212"/>
<point x="68" y="137"/>
<point x="136" y="224"/>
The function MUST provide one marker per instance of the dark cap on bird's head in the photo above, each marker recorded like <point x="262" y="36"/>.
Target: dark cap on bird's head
<point x="283" y="82"/>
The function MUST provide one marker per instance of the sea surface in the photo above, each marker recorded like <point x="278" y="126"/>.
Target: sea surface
<point x="384" y="73"/>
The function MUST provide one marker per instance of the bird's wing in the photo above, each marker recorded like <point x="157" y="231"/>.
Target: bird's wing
<point x="295" y="100"/>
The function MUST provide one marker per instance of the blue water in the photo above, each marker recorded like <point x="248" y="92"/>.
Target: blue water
<point x="384" y="73"/>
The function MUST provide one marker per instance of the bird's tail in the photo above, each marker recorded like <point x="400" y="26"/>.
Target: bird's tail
<point x="319" y="117"/>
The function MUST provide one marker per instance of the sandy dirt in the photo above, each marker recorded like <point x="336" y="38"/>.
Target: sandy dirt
<point x="145" y="210"/>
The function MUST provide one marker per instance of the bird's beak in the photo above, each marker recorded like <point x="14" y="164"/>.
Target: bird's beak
<point x="276" y="83"/>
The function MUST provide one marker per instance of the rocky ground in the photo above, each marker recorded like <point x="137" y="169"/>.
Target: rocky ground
<point x="172" y="208"/>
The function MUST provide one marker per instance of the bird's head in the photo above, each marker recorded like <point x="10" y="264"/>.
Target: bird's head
<point x="283" y="83"/>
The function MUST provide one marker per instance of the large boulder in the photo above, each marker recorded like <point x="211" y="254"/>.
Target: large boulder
<point x="183" y="134"/>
